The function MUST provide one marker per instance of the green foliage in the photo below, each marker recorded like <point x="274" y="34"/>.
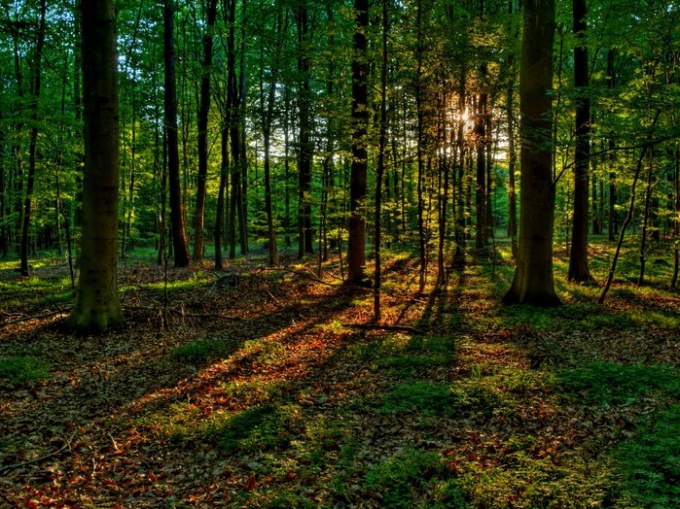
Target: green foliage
<point x="24" y="371"/>
<point x="411" y="478"/>
<point x="432" y="398"/>
<point x="606" y="383"/>
<point x="650" y="463"/>
<point x="202" y="351"/>
<point x="261" y="428"/>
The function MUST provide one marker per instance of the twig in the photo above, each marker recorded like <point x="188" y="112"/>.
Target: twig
<point x="371" y="326"/>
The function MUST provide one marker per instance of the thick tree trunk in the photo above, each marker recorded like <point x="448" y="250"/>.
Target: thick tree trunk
<point x="203" y="111"/>
<point x="179" y="236"/>
<point x="97" y="304"/>
<point x="533" y="282"/>
<point x="578" y="258"/>
<point x="356" y="253"/>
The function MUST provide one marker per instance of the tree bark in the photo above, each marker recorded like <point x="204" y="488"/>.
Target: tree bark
<point x="179" y="236"/>
<point x="33" y="143"/>
<point x="578" y="258"/>
<point x="356" y="252"/>
<point x="97" y="304"/>
<point x="203" y="111"/>
<point x="533" y="281"/>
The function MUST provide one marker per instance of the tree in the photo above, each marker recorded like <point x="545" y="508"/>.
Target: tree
<point x="578" y="258"/>
<point x="203" y="111"/>
<point x="533" y="280"/>
<point x="33" y="144"/>
<point x="97" y="304"/>
<point x="356" y="252"/>
<point x="179" y="235"/>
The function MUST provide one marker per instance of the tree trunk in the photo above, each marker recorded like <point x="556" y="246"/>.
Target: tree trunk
<point x="578" y="258"/>
<point x="533" y="282"/>
<point x="33" y="143"/>
<point x="356" y="253"/>
<point x="179" y="236"/>
<point x="612" y="222"/>
<point x="97" y="304"/>
<point x="676" y="219"/>
<point x="382" y="144"/>
<point x="642" y="254"/>
<point x="203" y="111"/>
<point x="224" y="176"/>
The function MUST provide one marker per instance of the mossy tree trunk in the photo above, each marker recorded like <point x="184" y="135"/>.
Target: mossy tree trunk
<point x="97" y="304"/>
<point x="533" y="282"/>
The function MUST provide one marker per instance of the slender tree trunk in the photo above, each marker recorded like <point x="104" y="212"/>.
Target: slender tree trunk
<point x="179" y="236"/>
<point x="481" y="197"/>
<point x="459" y="253"/>
<point x="203" y="112"/>
<point x="356" y="253"/>
<point x="578" y="258"/>
<point x="642" y="254"/>
<point x="305" y="234"/>
<point x="33" y="143"/>
<point x="382" y="144"/>
<point x="676" y="219"/>
<point x="224" y="178"/>
<point x="533" y="282"/>
<point x="420" y="141"/>
<point x="286" y="166"/>
<point x="631" y="209"/>
<point x="97" y="305"/>
<point x="612" y="222"/>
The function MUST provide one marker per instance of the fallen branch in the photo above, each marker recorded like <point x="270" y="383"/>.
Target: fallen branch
<point x="374" y="326"/>
<point x="67" y="445"/>
<point x="301" y="274"/>
<point x="33" y="317"/>
<point x="181" y="312"/>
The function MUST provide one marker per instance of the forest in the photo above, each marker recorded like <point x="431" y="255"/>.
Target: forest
<point x="366" y="253"/>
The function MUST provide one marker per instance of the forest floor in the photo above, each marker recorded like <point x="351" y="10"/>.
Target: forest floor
<point x="253" y="387"/>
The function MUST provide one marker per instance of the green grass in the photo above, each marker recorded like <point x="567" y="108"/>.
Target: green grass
<point x="24" y="371"/>
<point x="414" y="479"/>
<point x="261" y="428"/>
<point x="604" y="383"/>
<point x="650" y="463"/>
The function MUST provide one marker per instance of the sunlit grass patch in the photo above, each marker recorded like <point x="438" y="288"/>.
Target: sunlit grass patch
<point x="178" y="422"/>
<point x="23" y="371"/>
<point x="255" y="391"/>
<point x="414" y="479"/>
<point x="530" y="483"/>
<point x="263" y="352"/>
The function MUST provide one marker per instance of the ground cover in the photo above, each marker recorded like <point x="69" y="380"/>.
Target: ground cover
<point x="255" y="388"/>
